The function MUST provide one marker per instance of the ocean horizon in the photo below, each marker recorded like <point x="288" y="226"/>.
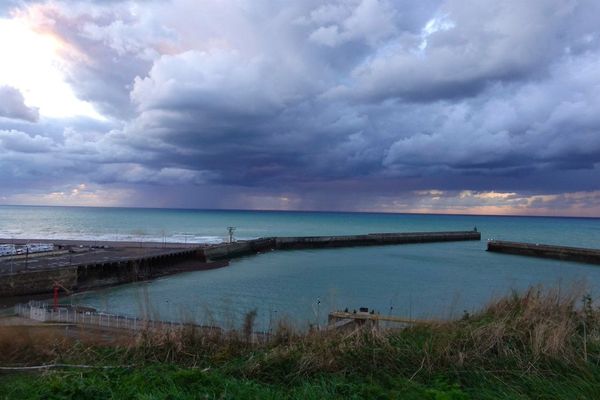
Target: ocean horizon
<point x="165" y="224"/>
<point x="332" y="211"/>
<point x="433" y="280"/>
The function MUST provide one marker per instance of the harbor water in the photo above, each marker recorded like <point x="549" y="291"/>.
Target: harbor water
<point x="433" y="280"/>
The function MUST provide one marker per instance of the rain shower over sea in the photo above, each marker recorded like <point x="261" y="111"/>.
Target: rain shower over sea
<point x="433" y="280"/>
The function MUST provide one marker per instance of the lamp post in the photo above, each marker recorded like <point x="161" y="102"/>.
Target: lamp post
<point x="230" y="230"/>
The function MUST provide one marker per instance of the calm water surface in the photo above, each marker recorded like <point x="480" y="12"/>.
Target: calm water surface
<point x="421" y="280"/>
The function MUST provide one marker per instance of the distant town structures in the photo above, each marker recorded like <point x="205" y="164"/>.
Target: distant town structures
<point x="11" y="249"/>
<point x="7" y="250"/>
<point x="38" y="247"/>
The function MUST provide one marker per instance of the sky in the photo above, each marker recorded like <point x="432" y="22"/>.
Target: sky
<point x="455" y="106"/>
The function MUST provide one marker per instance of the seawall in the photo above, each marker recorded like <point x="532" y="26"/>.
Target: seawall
<point x="578" y="254"/>
<point x="36" y="282"/>
<point x="373" y="239"/>
<point x="238" y="249"/>
<point x="101" y="273"/>
<point x="106" y="267"/>
<point x="243" y="248"/>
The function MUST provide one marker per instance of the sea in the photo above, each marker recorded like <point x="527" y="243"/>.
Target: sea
<point x="423" y="281"/>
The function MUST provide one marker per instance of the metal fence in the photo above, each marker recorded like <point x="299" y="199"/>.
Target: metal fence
<point x="43" y="312"/>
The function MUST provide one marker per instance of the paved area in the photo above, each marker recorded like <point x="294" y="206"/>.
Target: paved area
<point x="18" y="321"/>
<point x="108" y="243"/>
<point x="82" y="256"/>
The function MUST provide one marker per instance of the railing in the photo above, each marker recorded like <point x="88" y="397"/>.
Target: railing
<point x="42" y="312"/>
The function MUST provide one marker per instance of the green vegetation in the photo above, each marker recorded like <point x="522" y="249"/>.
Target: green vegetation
<point x="536" y="345"/>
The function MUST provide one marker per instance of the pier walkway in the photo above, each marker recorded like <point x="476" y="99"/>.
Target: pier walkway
<point x="344" y="320"/>
<point x="85" y="256"/>
<point x="578" y="254"/>
<point x="241" y="248"/>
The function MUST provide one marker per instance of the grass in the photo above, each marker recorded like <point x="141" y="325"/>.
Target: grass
<point x="540" y="344"/>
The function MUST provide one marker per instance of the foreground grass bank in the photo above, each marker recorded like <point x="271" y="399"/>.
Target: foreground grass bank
<point x="539" y="345"/>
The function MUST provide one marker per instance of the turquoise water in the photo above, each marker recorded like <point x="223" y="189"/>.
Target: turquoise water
<point x="211" y="226"/>
<point x="436" y="280"/>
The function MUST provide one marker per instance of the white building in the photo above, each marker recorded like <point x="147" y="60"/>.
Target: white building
<point x="7" y="250"/>
<point x="39" y="247"/>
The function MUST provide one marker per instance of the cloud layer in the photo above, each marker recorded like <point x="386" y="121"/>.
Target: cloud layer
<point x="358" y="104"/>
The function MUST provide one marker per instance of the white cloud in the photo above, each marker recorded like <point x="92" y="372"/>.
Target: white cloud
<point x="23" y="143"/>
<point x="368" y="20"/>
<point x="12" y="105"/>
<point x="31" y="63"/>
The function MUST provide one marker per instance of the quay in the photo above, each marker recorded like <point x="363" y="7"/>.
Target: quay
<point x="236" y="249"/>
<point x="344" y="320"/>
<point x="85" y="265"/>
<point x="84" y="268"/>
<point x="366" y="316"/>
<point x="578" y="254"/>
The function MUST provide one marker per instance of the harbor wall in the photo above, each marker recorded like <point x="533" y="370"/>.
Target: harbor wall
<point x="578" y="254"/>
<point x="36" y="282"/>
<point x="99" y="273"/>
<point x="93" y="275"/>
<point x="248" y="247"/>
<point x="238" y="249"/>
<point x="373" y="239"/>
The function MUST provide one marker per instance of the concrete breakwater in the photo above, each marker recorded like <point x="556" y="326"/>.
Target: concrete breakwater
<point x="107" y="265"/>
<point x="236" y="249"/>
<point x="578" y="254"/>
<point x="99" y="268"/>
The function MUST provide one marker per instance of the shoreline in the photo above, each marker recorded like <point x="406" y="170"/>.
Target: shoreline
<point x="108" y="243"/>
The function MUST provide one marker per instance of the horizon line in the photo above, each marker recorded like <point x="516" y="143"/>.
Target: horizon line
<point x="306" y="211"/>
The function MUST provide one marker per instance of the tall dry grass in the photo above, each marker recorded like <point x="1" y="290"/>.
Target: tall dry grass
<point x="535" y="325"/>
<point x="534" y="331"/>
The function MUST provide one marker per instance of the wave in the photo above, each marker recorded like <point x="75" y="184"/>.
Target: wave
<point x="92" y="236"/>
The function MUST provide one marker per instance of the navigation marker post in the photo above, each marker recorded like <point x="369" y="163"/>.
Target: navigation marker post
<point x="230" y="230"/>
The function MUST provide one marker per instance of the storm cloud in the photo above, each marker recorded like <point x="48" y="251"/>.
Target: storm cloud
<point x="361" y="104"/>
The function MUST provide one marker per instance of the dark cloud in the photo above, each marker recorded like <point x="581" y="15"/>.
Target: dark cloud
<point x="539" y="125"/>
<point x="325" y="103"/>
<point x="467" y="46"/>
